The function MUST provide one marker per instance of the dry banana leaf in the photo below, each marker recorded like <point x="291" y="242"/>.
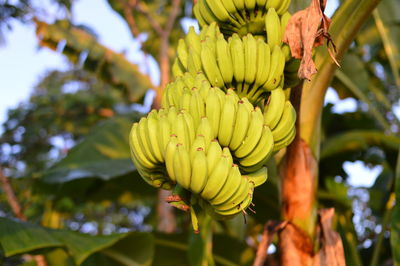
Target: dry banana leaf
<point x="307" y="29"/>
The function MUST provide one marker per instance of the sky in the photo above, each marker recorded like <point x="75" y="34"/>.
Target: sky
<point x="22" y="63"/>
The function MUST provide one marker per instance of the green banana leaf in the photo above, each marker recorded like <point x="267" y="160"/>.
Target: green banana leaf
<point x="111" y="67"/>
<point x="134" y="248"/>
<point x="20" y="237"/>
<point x="102" y="154"/>
<point x="356" y="140"/>
<point x="395" y="220"/>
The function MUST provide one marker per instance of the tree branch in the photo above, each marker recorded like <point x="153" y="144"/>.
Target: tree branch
<point x="270" y="229"/>
<point x="129" y="5"/>
<point x="163" y="57"/>
<point x="172" y="17"/>
<point x="17" y="210"/>
<point x="11" y="198"/>
<point x="143" y="9"/>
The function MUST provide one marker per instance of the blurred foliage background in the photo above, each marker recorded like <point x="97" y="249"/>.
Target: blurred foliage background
<point x="64" y="153"/>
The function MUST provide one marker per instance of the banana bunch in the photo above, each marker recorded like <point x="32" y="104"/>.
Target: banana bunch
<point x="240" y="16"/>
<point x="248" y="64"/>
<point x="227" y="111"/>
<point x="232" y="120"/>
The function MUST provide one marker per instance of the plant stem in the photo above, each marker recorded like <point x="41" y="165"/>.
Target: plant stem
<point x="385" y="222"/>
<point x="200" y="245"/>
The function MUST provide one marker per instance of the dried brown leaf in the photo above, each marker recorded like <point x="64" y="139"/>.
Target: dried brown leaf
<point x="331" y="252"/>
<point x="307" y="29"/>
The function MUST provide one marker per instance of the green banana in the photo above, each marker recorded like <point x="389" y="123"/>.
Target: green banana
<point x="286" y="140"/>
<point x="205" y="129"/>
<point x="258" y="177"/>
<point x="224" y="60"/>
<point x="253" y="134"/>
<point x="214" y="153"/>
<point x="276" y="69"/>
<point x="286" y="123"/>
<point x="237" y="53"/>
<point x="213" y="110"/>
<point x="231" y="186"/>
<point x="210" y="66"/>
<point x="153" y="136"/>
<point x="227" y="121"/>
<point x="169" y="156"/>
<point x="241" y="125"/>
<point x="217" y="178"/>
<point x="177" y="68"/>
<point x="192" y="40"/>
<point x="260" y="154"/>
<point x="199" y="171"/>
<point x="274" y="108"/>
<point x="273" y="28"/>
<point x="182" y="166"/>
<point x="182" y="52"/>
<point x="137" y="150"/>
<point x="250" y="58"/>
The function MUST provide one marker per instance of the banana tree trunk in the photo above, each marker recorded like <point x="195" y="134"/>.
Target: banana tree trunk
<point x="300" y="242"/>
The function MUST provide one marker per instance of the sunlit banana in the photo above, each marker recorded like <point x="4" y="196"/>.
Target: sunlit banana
<point x="153" y="136"/>
<point x="182" y="50"/>
<point x="137" y="150"/>
<point x="217" y="178"/>
<point x="241" y="125"/>
<point x="231" y="185"/>
<point x="276" y="69"/>
<point x="273" y="28"/>
<point x="164" y="132"/>
<point x="286" y="140"/>
<point x="283" y="7"/>
<point x="199" y="142"/>
<point x="210" y="66"/>
<point x="237" y="53"/>
<point x="258" y="177"/>
<point x="220" y="12"/>
<point x="254" y="133"/>
<point x="144" y="143"/>
<point x="260" y="154"/>
<point x="177" y="68"/>
<point x="227" y="121"/>
<point x="205" y="129"/>
<point x="182" y="166"/>
<point x="274" y="108"/>
<point x="213" y="110"/>
<point x="214" y="153"/>
<point x="193" y="61"/>
<point x="169" y="157"/>
<point x="250" y="58"/>
<point x="263" y="63"/>
<point x="199" y="171"/>
<point x="286" y="123"/>
<point x="192" y="40"/>
<point x="224" y="60"/>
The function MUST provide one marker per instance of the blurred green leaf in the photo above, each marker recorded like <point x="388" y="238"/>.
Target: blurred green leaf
<point x="395" y="221"/>
<point x="103" y="154"/>
<point x="357" y="140"/>
<point x="266" y="197"/>
<point x="20" y="237"/>
<point x="171" y="250"/>
<point x="110" y="67"/>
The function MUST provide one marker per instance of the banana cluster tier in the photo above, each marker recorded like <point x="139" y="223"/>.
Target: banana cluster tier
<point x="211" y="143"/>
<point x="248" y="64"/>
<point x="242" y="16"/>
